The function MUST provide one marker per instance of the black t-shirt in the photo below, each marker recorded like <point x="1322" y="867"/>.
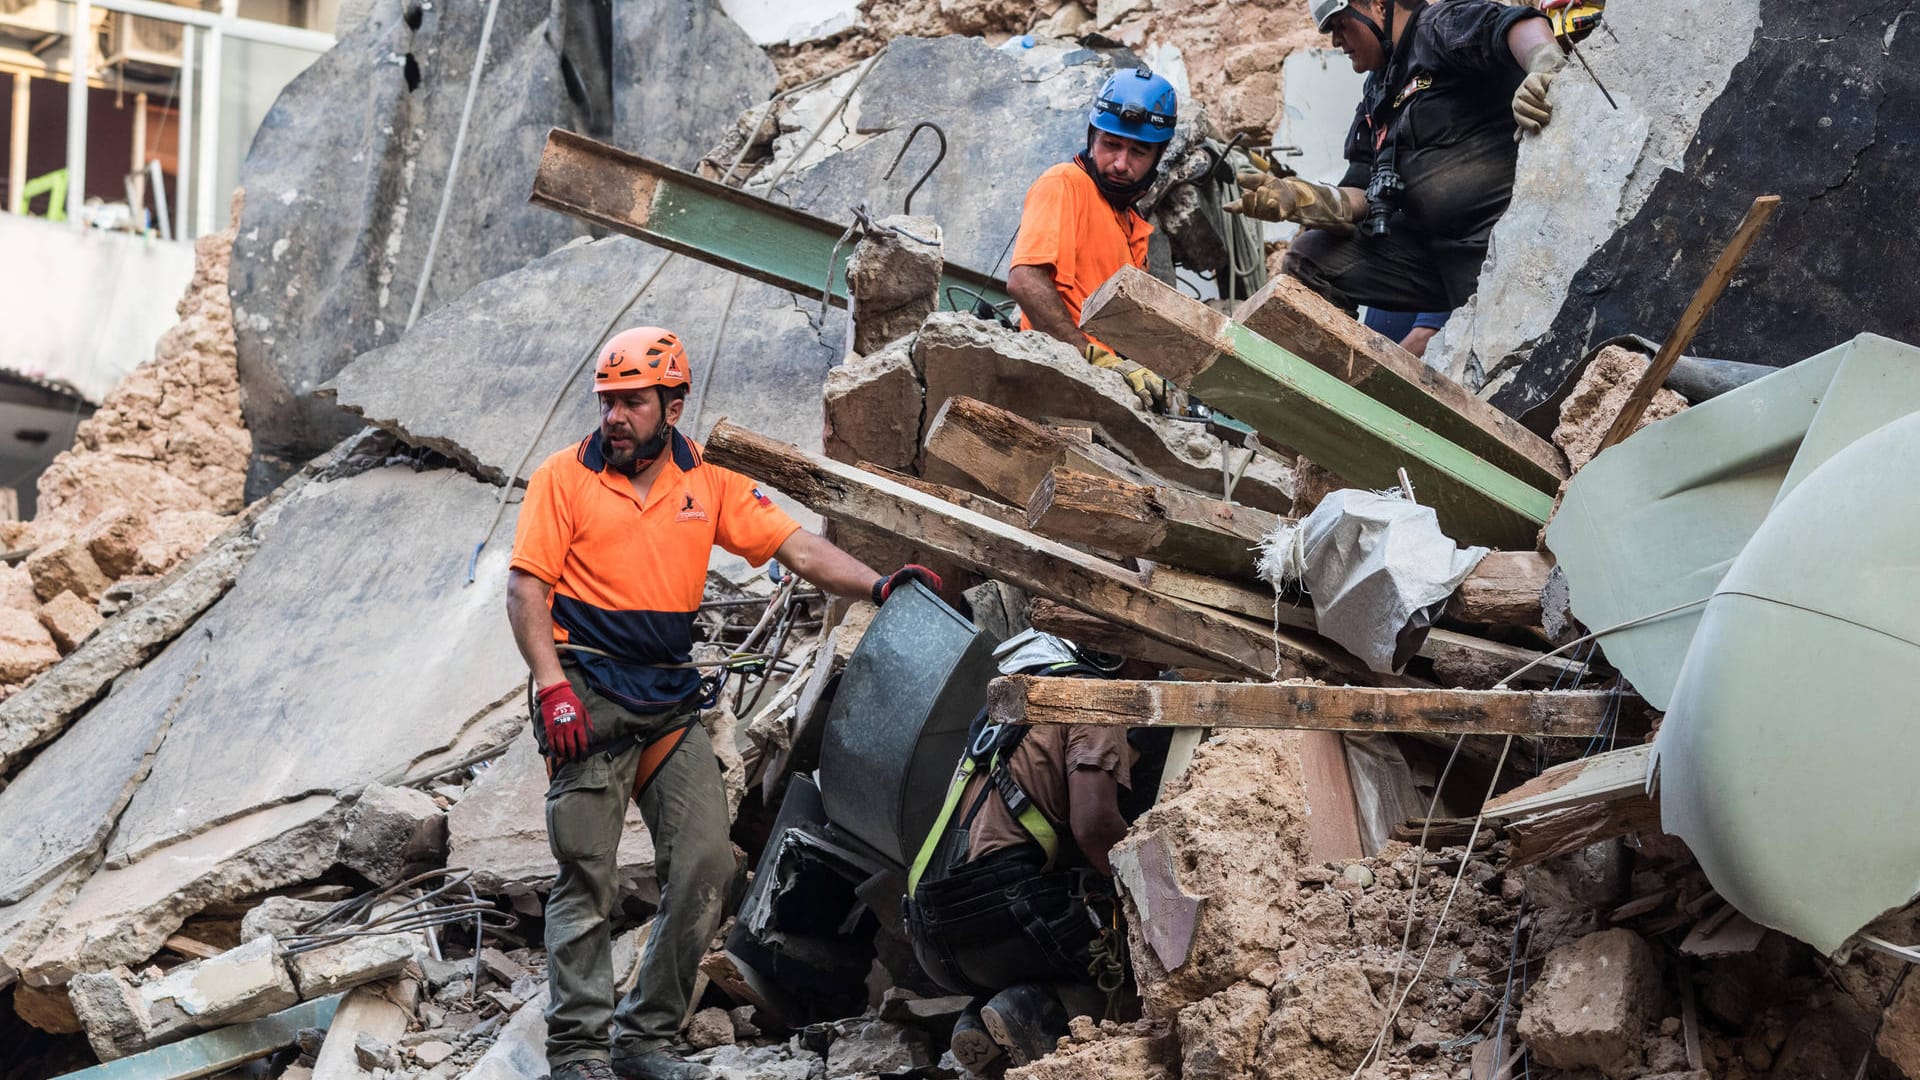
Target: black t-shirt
<point x="1451" y="117"/>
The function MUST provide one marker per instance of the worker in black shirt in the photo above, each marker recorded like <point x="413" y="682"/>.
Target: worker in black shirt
<point x="1430" y="156"/>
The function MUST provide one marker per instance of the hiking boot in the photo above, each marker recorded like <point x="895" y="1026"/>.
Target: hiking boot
<point x="658" y="1065"/>
<point x="1027" y="1020"/>
<point x="972" y="1047"/>
<point x="588" y="1069"/>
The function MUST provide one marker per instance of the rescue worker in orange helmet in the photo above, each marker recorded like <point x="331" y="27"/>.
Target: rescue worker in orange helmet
<point x="609" y="567"/>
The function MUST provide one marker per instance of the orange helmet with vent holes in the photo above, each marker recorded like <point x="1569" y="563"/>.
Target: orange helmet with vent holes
<point x="642" y="357"/>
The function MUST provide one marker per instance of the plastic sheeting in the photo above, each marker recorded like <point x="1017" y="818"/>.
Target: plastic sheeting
<point x="1377" y="567"/>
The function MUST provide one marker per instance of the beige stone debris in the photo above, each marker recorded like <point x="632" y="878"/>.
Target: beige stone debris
<point x="1596" y="400"/>
<point x="69" y="619"/>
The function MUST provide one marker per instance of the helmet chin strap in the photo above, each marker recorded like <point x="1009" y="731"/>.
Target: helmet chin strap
<point x="1119" y="195"/>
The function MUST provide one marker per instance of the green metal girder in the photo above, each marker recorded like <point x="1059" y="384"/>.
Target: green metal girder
<point x="1292" y="402"/>
<point x="220" y="1049"/>
<point x="711" y="222"/>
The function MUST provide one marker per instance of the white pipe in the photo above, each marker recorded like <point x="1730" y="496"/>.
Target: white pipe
<point x="183" y="154"/>
<point x="159" y="182"/>
<point x="17" y="152"/>
<point x="79" y="61"/>
<point x="209" y="160"/>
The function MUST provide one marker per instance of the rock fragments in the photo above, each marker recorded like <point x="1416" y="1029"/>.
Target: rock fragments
<point x="1592" y="1004"/>
<point x="1597" y="399"/>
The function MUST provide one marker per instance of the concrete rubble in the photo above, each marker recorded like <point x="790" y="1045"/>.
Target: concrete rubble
<point x="263" y="742"/>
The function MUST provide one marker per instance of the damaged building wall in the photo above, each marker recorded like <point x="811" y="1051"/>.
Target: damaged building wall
<point x="1808" y="113"/>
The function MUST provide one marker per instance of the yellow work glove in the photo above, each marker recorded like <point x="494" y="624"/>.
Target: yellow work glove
<point x="1289" y="198"/>
<point x="1530" y="109"/>
<point x="1151" y="389"/>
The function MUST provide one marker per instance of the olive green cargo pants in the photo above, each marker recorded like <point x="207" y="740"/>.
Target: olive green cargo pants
<point x="685" y="809"/>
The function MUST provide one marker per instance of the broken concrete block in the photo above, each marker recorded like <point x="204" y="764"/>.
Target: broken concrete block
<point x="280" y="916"/>
<point x="431" y="1053"/>
<point x="70" y="620"/>
<point x="872" y="406"/>
<point x="1596" y="401"/>
<point x="662" y="50"/>
<point x="1042" y="379"/>
<point x="16" y="588"/>
<point x="65" y="566"/>
<point x="1592" y="1003"/>
<point x="1219" y="1034"/>
<point x="371" y="1052"/>
<point x="499" y="831"/>
<point x="346" y="964"/>
<point x="710" y="1028"/>
<point x="47" y="1008"/>
<point x="122" y="1017"/>
<point x="877" y="1046"/>
<point x="26" y="648"/>
<point x="114" y="540"/>
<point x="390" y="827"/>
<point x="894" y="277"/>
<point x="1234" y="827"/>
<point x="521" y="1049"/>
<point x="121" y="916"/>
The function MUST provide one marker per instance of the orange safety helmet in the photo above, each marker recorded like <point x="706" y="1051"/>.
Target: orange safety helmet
<point x="642" y="357"/>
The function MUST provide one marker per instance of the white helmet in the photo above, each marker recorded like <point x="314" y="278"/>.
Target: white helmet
<point x="1325" y="10"/>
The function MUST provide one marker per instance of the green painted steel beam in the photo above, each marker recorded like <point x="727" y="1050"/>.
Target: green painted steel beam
<point x="220" y="1049"/>
<point x="711" y="222"/>
<point x="1293" y="402"/>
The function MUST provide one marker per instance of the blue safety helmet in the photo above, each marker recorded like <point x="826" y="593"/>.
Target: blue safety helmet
<point x="1136" y="104"/>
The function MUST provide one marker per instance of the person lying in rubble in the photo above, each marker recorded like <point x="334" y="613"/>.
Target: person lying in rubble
<point x="609" y="567"/>
<point x="1078" y="226"/>
<point x="1011" y="897"/>
<point x="1431" y="153"/>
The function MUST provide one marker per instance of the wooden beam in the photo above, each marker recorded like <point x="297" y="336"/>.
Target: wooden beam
<point x="1291" y="401"/>
<point x="1715" y="283"/>
<point x="1503" y="590"/>
<point x="1165" y="524"/>
<point x="1095" y="632"/>
<point x="1308" y="325"/>
<point x="1030" y="699"/>
<point x="966" y="500"/>
<point x="844" y="493"/>
<point x="1615" y="776"/>
<point x="1449" y="647"/>
<point x="1009" y="455"/>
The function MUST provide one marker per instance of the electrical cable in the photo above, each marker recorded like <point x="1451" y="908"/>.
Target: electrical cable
<point x="1615" y="628"/>
<point x="453" y="166"/>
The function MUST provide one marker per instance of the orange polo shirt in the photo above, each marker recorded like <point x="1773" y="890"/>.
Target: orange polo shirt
<point x="1067" y="224"/>
<point x="628" y="577"/>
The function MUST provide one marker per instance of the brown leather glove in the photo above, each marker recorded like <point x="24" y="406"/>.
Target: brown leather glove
<point x="1530" y="109"/>
<point x="1289" y="198"/>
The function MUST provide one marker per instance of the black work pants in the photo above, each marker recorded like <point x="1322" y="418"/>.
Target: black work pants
<point x="999" y="921"/>
<point x="1404" y="270"/>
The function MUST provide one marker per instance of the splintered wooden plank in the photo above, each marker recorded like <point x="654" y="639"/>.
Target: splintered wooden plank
<point x="1029" y="699"/>
<point x="1503" y="589"/>
<point x="1615" y="776"/>
<point x="1308" y="325"/>
<point x="1289" y="400"/>
<point x="1165" y="524"/>
<point x="1009" y="455"/>
<point x="716" y="224"/>
<point x="1044" y="567"/>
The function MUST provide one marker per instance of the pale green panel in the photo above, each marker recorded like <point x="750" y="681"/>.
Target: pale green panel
<point x="1786" y="756"/>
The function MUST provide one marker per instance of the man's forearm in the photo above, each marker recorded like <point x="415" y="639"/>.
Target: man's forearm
<point x="1526" y="36"/>
<point x="532" y="623"/>
<point x="1034" y="289"/>
<point x="826" y="566"/>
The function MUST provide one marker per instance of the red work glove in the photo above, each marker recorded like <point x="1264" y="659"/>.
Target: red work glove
<point x="883" y="587"/>
<point x="564" y="719"/>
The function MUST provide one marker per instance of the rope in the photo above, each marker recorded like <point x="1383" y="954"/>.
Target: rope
<point x="453" y="167"/>
<point x="506" y="489"/>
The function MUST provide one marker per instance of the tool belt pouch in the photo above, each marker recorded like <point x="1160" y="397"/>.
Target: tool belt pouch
<point x="1007" y="898"/>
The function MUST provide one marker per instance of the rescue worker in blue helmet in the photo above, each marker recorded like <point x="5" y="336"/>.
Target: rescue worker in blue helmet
<point x="1078" y="225"/>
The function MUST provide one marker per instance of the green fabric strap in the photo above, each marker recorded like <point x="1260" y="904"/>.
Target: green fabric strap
<point x="939" y="829"/>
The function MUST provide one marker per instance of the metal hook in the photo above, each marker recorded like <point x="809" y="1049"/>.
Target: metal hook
<point x="907" y="207"/>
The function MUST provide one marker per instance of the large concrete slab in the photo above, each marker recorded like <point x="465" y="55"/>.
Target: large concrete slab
<point x="526" y="332"/>
<point x="683" y="72"/>
<point x="349" y="649"/>
<point x="123" y="916"/>
<point x="499" y="830"/>
<point x="345" y="176"/>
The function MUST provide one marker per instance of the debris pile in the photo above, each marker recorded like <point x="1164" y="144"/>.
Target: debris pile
<point x="155" y="473"/>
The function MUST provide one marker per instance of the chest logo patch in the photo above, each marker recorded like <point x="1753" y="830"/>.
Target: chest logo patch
<point x="1414" y="86"/>
<point x="690" y="510"/>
